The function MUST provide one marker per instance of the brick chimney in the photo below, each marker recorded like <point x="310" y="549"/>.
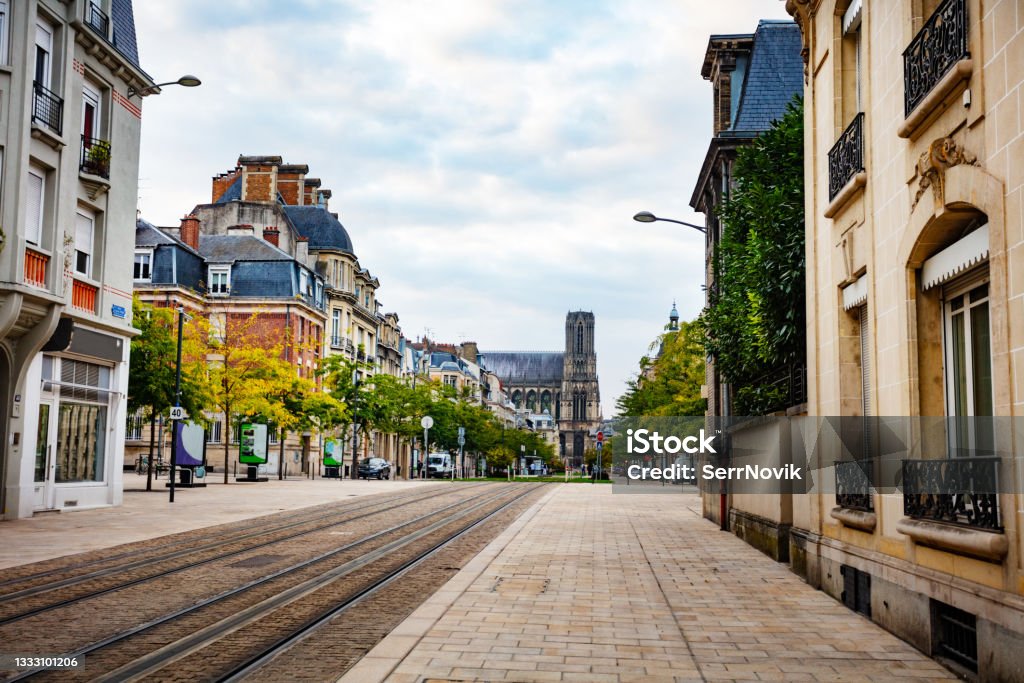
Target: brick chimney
<point x="259" y="178"/>
<point x="291" y="179"/>
<point x="189" y="231"/>
<point x="272" y="235"/>
<point x="310" y="186"/>
<point x="222" y="182"/>
<point x="470" y="351"/>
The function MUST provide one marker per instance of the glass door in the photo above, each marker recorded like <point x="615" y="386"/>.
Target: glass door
<point x="43" y="497"/>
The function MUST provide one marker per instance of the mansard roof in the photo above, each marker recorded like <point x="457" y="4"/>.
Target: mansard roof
<point x="322" y="228"/>
<point x="775" y="75"/>
<point x="123" y="19"/>
<point x="231" y="248"/>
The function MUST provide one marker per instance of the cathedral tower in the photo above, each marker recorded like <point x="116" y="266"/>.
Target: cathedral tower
<point x="580" y="413"/>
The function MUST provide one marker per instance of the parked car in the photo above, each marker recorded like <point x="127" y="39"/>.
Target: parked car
<point x="374" y="468"/>
<point x="439" y="465"/>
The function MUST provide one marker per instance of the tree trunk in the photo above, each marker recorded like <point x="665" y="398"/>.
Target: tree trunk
<point x="280" y="460"/>
<point x="152" y="441"/>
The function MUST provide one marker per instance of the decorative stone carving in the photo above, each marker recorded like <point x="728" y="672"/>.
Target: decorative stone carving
<point x="802" y="12"/>
<point x="942" y="154"/>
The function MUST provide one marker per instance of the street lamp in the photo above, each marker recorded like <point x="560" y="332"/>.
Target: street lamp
<point x="187" y="81"/>
<point x="648" y="217"/>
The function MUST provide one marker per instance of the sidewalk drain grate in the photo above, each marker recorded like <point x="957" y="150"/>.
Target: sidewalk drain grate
<point x="257" y="561"/>
<point x="520" y="586"/>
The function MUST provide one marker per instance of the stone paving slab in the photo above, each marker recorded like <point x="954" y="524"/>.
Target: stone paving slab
<point x="145" y="515"/>
<point x="593" y="586"/>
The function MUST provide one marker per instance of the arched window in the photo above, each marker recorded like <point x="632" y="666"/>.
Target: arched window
<point x="579" y="338"/>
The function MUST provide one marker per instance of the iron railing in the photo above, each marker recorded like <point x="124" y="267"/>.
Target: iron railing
<point x="963" y="491"/>
<point x="941" y="43"/>
<point x="97" y="20"/>
<point x="95" y="159"/>
<point x="337" y="342"/>
<point x="47" y="108"/>
<point x="776" y="390"/>
<point x="853" y="485"/>
<point x="846" y="158"/>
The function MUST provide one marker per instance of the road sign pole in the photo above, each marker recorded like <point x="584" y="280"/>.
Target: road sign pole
<point x="177" y="402"/>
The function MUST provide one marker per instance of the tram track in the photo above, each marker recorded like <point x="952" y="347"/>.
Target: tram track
<point x="221" y="550"/>
<point x="130" y="653"/>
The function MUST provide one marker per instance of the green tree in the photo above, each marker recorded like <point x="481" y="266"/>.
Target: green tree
<point x="755" y="320"/>
<point x="669" y="384"/>
<point x="244" y="366"/>
<point x="151" y="371"/>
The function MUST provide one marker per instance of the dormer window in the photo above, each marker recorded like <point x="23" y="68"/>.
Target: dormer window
<point x="143" y="265"/>
<point x="220" y="280"/>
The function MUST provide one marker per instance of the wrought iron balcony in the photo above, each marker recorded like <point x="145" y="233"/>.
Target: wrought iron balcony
<point x="47" y="108"/>
<point x="846" y="158"/>
<point x="97" y="20"/>
<point x="853" y="485"/>
<point x="95" y="159"/>
<point x="963" y="491"/>
<point x="941" y="43"/>
<point x="337" y="342"/>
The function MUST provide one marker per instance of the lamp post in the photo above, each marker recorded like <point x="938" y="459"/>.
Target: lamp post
<point x="187" y="81"/>
<point x="723" y="504"/>
<point x="648" y="217"/>
<point x="176" y="422"/>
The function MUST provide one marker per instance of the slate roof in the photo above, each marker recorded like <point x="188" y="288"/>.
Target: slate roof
<point x="231" y="248"/>
<point x="775" y="75"/>
<point x="233" y="193"/>
<point x="148" y="235"/>
<point x="123" y="18"/>
<point x="320" y="226"/>
<point x="525" y="367"/>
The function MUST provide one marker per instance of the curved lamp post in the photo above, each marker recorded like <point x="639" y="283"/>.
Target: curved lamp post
<point x="187" y="81"/>
<point x="648" y="217"/>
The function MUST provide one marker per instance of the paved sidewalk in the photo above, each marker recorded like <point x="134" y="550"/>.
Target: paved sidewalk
<point x="146" y="515"/>
<point x="592" y="586"/>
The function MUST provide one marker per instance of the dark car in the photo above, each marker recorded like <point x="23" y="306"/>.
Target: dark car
<point x="374" y="468"/>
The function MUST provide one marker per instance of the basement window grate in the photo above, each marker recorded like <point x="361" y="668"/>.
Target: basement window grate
<point x="956" y="635"/>
<point x="856" y="590"/>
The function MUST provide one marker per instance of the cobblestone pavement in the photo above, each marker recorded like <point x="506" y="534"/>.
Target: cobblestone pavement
<point x="593" y="586"/>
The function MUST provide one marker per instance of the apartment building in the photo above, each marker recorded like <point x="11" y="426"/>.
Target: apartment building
<point x="69" y="137"/>
<point x="914" y="166"/>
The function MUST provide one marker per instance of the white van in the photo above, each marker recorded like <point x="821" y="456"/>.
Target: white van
<point x="439" y="465"/>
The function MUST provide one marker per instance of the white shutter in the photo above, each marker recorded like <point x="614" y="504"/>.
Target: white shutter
<point x="34" y="208"/>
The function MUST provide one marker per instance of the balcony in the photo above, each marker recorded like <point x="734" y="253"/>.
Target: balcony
<point x="83" y="296"/>
<point x="934" y="51"/>
<point x="853" y="486"/>
<point x="338" y="342"/>
<point x="960" y="491"/>
<point x="95" y="158"/>
<point x="846" y="158"/>
<point x="97" y="20"/>
<point x="47" y="108"/>
<point x="35" y="268"/>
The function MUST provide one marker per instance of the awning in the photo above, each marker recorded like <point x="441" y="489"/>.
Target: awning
<point x="958" y="257"/>
<point x="856" y="294"/>
<point x="851" y="18"/>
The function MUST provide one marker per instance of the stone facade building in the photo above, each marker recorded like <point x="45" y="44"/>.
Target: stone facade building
<point x="69" y="92"/>
<point x="561" y="384"/>
<point x="914" y="164"/>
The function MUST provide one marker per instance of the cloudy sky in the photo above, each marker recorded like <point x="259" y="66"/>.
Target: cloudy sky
<point x="486" y="156"/>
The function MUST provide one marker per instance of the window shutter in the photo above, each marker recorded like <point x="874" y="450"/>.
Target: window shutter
<point x="34" y="210"/>
<point x="83" y="234"/>
<point x="865" y="360"/>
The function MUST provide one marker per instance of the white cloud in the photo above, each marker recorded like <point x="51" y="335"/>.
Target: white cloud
<point x="486" y="156"/>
